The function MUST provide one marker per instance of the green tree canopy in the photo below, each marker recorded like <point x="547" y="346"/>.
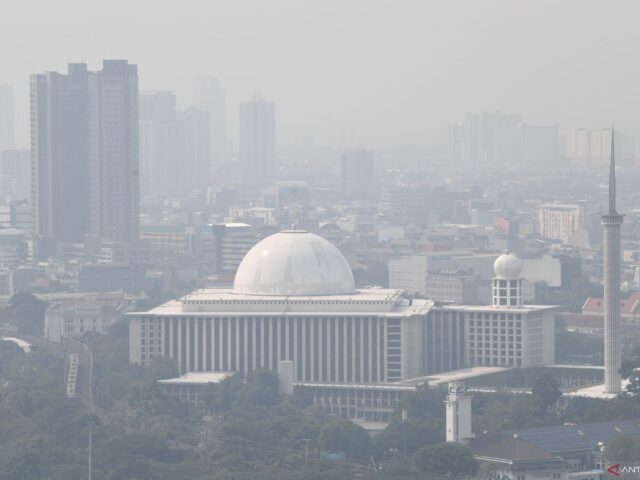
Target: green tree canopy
<point x="447" y="459"/>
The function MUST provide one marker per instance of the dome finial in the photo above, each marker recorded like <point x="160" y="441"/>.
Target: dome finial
<point x="507" y="266"/>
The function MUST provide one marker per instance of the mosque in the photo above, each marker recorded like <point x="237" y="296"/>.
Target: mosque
<point x="294" y="300"/>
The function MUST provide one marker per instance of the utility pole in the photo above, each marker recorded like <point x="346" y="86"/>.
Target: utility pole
<point x="90" y="453"/>
<point x="404" y="432"/>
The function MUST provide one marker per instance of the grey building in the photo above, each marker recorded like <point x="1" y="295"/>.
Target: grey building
<point x="84" y="152"/>
<point x="258" y="142"/>
<point x="7" y="121"/>
<point x="15" y="175"/>
<point x="161" y="145"/>
<point x="356" y="174"/>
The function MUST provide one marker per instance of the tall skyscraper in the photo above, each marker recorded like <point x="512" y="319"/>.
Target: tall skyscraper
<point x="160" y="145"/>
<point x="486" y="138"/>
<point x="356" y="174"/>
<point x="210" y="96"/>
<point x="590" y="147"/>
<point x="174" y="147"/>
<point x="115" y="212"/>
<point x="258" y="142"/>
<point x="7" y="121"/>
<point x="84" y="152"/>
<point x="197" y="162"/>
<point x="612" y="221"/>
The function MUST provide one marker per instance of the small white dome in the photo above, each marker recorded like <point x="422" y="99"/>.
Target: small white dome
<point x="507" y="267"/>
<point x="294" y="262"/>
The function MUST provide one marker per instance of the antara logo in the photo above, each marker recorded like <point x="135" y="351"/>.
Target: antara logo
<point x="618" y="469"/>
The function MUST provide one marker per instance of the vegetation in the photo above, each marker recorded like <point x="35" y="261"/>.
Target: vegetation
<point x="26" y="312"/>
<point x="623" y="449"/>
<point x="244" y="429"/>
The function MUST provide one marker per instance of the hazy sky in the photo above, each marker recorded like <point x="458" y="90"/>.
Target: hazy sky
<point x="351" y="72"/>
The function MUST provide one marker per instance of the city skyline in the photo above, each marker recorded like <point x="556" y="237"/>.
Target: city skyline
<point x="412" y="68"/>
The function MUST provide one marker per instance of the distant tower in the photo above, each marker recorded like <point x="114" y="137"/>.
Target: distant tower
<point x="458" y="414"/>
<point x="611" y="222"/>
<point x="84" y="152"/>
<point x="258" y="142"/>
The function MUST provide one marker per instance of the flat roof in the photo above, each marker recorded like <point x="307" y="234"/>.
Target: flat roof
<point x="366" y="294"/>
<point x="394" y="387"/>
<point x="224" y="302"/>
<point x="589" y="367"/>
<point x="454" y="375"/>
<point x="197" y="378"/>
<point x="595" y="391"/>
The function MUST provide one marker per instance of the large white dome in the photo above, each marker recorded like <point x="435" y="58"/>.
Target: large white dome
<point x="507" y="267"/>
<point x="294" y="262"/>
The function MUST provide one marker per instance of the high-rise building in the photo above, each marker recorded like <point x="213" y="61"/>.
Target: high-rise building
<point x="561" y="221"/>
<point x="211" y="97"/>
<point x="84" y="152"/>
<point x="196" y="136"/>
<point x="258" y="142"/>
<point x="589" y="147"/>
<point x="482" y="138"/>
<point x="15" y="175"/>
<point x="174" y="147"/>
<point x="161" y="145"/>
<point x="499" y="138"/>
<point x="611" y="222"/>
<point x="356" y="174"/>
<point x="115" y="165"/>
<point x="7" y="120"/>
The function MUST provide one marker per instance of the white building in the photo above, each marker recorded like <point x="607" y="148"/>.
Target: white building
<point x="410" y="273"/>
<point x="75" y="318"/>
<point x="561" y="221"/>
<point x="294" y="299"/>
<point x="455" y="286"/>
<point x="507" y="332"/>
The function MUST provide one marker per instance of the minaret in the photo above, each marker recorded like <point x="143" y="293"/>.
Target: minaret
<point x="611" y="222"/>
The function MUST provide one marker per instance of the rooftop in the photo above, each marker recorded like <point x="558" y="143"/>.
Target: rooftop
<point x="197" y="378"/>
<point x="454" y="375"/>
<point x="509" y="448"/>
<point x="566" y="438"/>
<point x="219" y="301"/>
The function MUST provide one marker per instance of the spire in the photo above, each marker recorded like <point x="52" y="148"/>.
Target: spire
<point x="612" y="178"/>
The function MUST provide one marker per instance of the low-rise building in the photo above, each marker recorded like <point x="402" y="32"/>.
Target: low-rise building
<point x="74" y="319"/>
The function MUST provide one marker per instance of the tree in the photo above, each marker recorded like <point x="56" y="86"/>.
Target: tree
<point x="633" y="388"/>
<point x="411" y="435"/>
<point x="345" y="436"/>
<point x="447" y="459"/>
<point x="622" y="449"/>
<point x="545" y="391"/>
<point x="487" y="471"/>
<point x="27" y="312"/>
